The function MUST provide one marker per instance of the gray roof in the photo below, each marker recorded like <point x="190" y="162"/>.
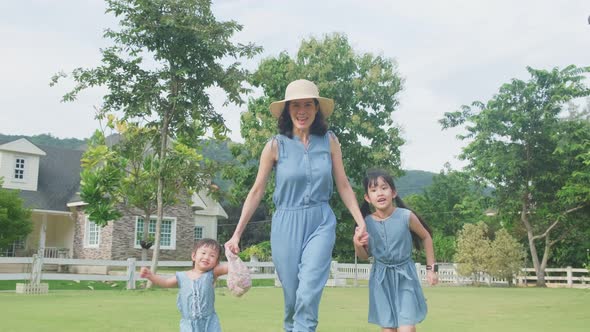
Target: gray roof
<point x="59" y="179"/>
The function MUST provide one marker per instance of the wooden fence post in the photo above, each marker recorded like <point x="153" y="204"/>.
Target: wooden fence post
<point x="130" y="273"/>
<point x="570" y="280"/>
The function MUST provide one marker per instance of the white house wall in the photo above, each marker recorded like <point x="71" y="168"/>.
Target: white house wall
<point x="209" y="224"/>
<point x="59" y="234"/>
<point x="31" y="171"/>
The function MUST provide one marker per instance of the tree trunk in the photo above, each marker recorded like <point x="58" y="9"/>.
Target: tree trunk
<point x="159" y="197"/>
<point x="541" y="276"/>
<point x="539" y="270"/>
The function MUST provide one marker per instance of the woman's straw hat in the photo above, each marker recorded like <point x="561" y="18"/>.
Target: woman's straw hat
<point x="302" y="89"/>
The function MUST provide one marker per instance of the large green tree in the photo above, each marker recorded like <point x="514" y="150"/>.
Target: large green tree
<point x="453" y="199"/>
<point x="120" y="174"/>
<point x="15" y="219"/>
<point x="519" y="142"/>
<point x="166" y="56"/>
<point x="365" y="88"/>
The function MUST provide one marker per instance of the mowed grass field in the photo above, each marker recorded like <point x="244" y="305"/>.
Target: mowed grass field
<point x="452" y="309"/>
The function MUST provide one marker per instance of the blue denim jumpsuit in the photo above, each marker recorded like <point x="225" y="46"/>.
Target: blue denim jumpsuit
<point x="303" y="227"/>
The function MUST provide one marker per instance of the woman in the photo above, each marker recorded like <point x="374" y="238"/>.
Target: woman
<point x="307" y="161"/>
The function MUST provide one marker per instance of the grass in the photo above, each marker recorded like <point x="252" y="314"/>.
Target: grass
<point x="453" y="309"/>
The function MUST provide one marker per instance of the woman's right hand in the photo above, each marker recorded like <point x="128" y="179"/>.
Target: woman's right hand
<point x="145" y="273"/>
<point x="233" y="244"/>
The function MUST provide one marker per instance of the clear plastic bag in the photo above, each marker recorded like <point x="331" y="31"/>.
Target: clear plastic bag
<point x="238" y="274"/>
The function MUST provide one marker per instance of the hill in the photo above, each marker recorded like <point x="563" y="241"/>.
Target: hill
<point x="413" y="182"/>
<point x="48" y="140"/>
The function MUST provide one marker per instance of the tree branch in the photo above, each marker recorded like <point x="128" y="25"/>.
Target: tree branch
<point x="557" y="221"/>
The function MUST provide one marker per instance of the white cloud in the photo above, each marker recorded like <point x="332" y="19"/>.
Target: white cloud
<point x="450" y="52"/>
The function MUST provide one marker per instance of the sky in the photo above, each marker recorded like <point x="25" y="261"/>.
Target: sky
<point x="450" y="53"/>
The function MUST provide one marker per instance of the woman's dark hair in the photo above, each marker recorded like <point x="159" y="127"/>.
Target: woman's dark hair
<point x="209" y="243"/>
<point x="371" y="180"/>
<point x="318" y="127"/>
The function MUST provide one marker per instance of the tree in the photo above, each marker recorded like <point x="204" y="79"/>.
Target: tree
<point x="516" y="145"/>
<point x="165" y="57"/>
<point x="452" y="200"/>
<point x="365" y="89"/>
<point x="473" y="250"/>
<point x="15" y="220"/>
<point x="507" y="256"/>
<point x="123" y="175"/>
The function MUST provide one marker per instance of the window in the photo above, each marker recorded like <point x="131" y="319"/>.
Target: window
<point x="167" y="235"/>
<point x="19" y="169"/>
<point x="198" y="233"/>
<point x="91" y="234"/>
<point x="7" y="252"/>
<point x="10" y="251"/>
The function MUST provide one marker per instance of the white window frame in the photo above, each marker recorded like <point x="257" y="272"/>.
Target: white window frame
<point x="202" y="229"/>
<point x="19" y="168"/>
<point x="10" y="251"/>
<point x="87" y="237"/>
<point x="172" y="245"/>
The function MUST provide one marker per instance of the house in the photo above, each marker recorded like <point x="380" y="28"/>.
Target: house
<point x="49" y="178"/>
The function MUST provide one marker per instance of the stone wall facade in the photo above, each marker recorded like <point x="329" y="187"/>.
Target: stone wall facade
<point x="123" y="245"/>
<point x="106" y="234"/>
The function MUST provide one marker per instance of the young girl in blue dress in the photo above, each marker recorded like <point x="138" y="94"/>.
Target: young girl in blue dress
<point x="396" y="301"/>
<point x="196" y="297"/>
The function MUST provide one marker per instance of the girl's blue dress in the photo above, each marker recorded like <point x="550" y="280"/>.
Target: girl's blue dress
<point x="196" y="303"/>
<point x="395" y="293"/>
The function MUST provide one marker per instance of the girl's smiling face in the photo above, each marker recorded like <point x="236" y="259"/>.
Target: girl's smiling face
<point x="303" y="112"/>
<point x="205" y="258"/>
<point x="380" y="194"/>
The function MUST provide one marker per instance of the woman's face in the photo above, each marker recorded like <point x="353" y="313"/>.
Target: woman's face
<point x="302" y="112"/>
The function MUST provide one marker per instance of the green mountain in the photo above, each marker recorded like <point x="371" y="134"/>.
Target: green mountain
<point x="47" y="139"/>
<point x="413" y="182"/>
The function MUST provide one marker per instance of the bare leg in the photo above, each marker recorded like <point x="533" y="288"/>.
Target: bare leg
<point x="407" y="328"/>
<point x="388" y="329"/>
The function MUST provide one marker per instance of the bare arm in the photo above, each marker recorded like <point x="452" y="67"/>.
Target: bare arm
<point x="220" y="270"/>
<point x="417" y="228"/>
<point x="158" y="280"/>
<point x="267" y="160"/>
<point x="342" y="184"/>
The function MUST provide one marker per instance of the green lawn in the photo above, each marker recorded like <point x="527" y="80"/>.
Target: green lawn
<point x="453" y="309"/>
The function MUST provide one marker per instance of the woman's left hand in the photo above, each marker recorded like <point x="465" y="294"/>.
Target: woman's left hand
<point x="361" y="237"/>
<point x="432" y="277"/>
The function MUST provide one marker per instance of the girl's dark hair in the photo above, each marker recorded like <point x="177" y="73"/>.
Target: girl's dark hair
<point x="209" y="243"/>
<point x="318" y="127"/>
<point x="371" y="180"/>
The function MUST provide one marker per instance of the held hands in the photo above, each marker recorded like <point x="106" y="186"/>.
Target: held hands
<point x="361" y="237"/>
<point x="432" y="277"/>
<point x="233" y="245"/>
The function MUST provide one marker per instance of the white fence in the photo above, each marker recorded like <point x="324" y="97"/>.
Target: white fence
<point x="127" y="271"/>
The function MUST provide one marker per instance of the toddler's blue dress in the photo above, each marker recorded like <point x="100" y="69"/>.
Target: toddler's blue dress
<point x="196" y="303"/>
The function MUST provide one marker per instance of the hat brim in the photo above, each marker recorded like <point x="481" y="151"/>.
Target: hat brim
<point x="326" y="105"/>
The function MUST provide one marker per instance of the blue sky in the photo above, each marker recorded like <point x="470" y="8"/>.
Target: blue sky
<point x="449" y="52"/>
